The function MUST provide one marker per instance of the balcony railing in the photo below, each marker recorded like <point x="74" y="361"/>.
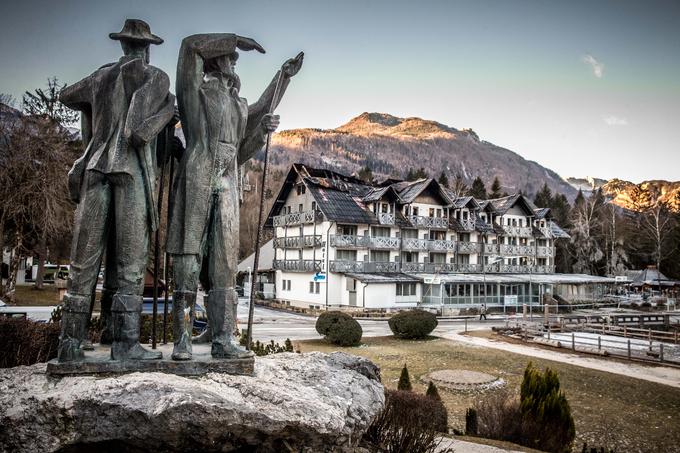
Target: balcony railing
<point x="429" y="222"/>
<point x="442" y="245"/>
<point x="524" y="232"/>
<point x="468" y="267"/>
<point x="491" y="249"/>
<point x="468" y="224"/>
<point x="384" y="243"/>
<point x="298" y="218"/>
<point x="468" y="247"/>
<point x="297" y="242"/>
<point x="414" y="244"/>
<point x="386" y="218"/>
<point x="298" y="265"/>
<point x="363" y="266"/>
<point x="544" y="251"/>
<point x="516" y="250"/>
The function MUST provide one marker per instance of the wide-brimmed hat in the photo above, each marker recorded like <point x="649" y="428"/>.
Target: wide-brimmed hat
<point x="136" y="30"/>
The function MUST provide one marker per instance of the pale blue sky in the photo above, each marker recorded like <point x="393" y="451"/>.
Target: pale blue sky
<point x="582" y="87"/>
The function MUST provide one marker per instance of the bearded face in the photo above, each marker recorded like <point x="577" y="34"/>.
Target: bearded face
<point x="224" y="66"/>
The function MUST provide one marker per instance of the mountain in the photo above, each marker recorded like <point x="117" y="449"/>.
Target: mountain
<point x="622" y="193"/>
<point x="587" y="185"/>
<point x="390" y="146"/>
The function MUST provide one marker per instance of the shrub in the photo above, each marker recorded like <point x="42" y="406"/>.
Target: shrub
<point x="261" y="349"/>
<point x="412" y="324"/>
<point x="499" y="417"/>
<point x="547" y="423"/>
<point x="339" y="328"/>
<point x="587" y="449"/>
<point x="440" y="416"/>
<point x="147" y="329"/>
<point x="404" y="380"/>
<point x="432" y="391"/>
<point x="471" y="422"/>
<point x="26" y="342"/>
<point x="406" y="424"/>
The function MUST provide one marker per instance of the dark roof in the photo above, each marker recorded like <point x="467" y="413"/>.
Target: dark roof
<point x="503" y="204"/>
<point x="384" y="277"/>
<point x="542" y="212"/>
<point x="409" y="190"/>
<point x="341" y="206"/>
<point x="557" y="232"/>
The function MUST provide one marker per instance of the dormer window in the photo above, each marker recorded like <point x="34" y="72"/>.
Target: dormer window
<point x="465" y="215"/>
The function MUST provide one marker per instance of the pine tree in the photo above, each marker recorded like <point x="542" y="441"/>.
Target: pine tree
<point x="478" y="190"/>
<point x="404" y="380"/>
<point x="544" y="198"/>
<point x="366" y="174"/>
<point x="580" y="199"/>
<point x="432" y="391"/>
<point x="443" y="180"/>
<point x="495" y="189"/>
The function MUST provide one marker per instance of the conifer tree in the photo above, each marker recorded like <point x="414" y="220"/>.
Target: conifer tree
<point x="443" y="180"/>
<point x="432" y="391"/>
<point x="496" y="189"/>
<point x="544" y="198"/>
<point x="404" y="380"/>
<point x="478" y="190"/>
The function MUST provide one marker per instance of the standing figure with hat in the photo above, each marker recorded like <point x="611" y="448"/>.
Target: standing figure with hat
<point x="124" y="105"/>
<point x="222" y="132"/>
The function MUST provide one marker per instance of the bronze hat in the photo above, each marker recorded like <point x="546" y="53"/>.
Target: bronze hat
<point x="136" y="30"/>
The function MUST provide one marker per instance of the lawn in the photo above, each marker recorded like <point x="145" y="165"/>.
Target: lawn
<point x="29" y="295"/>
<point x="628" y="414"/>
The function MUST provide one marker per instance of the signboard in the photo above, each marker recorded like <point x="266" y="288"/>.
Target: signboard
<point x="510" y="300"/>
<point x="319" y="277"/>
<point x="432" y="280"/>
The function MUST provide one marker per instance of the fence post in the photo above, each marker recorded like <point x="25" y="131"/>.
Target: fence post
<point x="548" y="331"/>
<point x="524" y="311"/>
<point x="628" y="349"/>
<point x="625" y="331"/>
<point x="676" y="337"/>
<point x="573" y="342"/>
<point x="661" y="352"/>
<point x="465" y="325"/>
<point x="599" y="342"/>
<point x="546" y="313"/>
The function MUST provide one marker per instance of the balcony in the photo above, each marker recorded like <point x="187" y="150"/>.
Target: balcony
<point x="414" y="244"/>
<point x="544" y="269"/>
<point x="386" y="218"/>
<point x="372" y="242"/>
<point x="429" y="222"/>
<point x="297" y="242"/>
<point x="363" y="266"/>
<point x="491" y="249"/>
<point x="298" y="218"/>
<point x="468" y="267"/>
<point x="298" y="265"/>
<point x="468" y="224"/>
<point x="543" y="251"/>
<point x="442" y="245"/>
<point x="518" y="231"/>
<point x="516" y="250"/>
<point x="469" y="247"/>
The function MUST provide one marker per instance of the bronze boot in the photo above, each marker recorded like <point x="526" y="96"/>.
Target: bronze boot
<point x="74" y="321"/>
<point x="223" y="322"/>
<point x="126" y="313"/>
<point x="182" y="323"/>
<point x="105" y="316"/>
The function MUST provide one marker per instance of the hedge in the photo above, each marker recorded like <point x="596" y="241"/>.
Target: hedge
<point x="339" y="328"/>
<point x="412" y="324"/>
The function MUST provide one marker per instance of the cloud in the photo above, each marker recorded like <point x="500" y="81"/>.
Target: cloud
<point x="612" y="120"/>
<point x="597" y="66"/>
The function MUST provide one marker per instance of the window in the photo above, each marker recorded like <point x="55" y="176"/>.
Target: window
<point x="300" y="207"/>
<point x="301" y="189"/>
<point x="415" y="210"/>
<point x="314" y="287"/>
<point x="465" y="215"/>
<point x="384" y="208"/>
<point x="406" y="289"/>
<point x="346" y="255"/>
<point x="313" y="205"/>
<point x="286" y="285"/>
<point x="431" y="212"/>
<point x="439" y="212"/>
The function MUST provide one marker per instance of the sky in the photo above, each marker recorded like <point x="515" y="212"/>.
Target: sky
<point x="585" y="88"/>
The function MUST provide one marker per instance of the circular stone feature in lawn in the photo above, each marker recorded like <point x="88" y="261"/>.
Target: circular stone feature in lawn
<point x="463" y="380"/>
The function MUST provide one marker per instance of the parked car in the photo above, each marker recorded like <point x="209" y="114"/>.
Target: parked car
<point x="200" y="320"/>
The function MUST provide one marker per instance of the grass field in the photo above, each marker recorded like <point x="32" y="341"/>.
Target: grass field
<point x="627" y="414"/>
<point x="28" y="295"/>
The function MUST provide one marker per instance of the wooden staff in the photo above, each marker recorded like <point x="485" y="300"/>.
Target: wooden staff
<point x="260" y="226"/>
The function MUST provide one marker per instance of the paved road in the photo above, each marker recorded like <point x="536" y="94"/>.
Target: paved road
<point x="278" y="325"/>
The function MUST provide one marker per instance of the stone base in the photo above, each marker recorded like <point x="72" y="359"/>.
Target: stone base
<point x="312" y="402"/>
<point x="99" y="362"/>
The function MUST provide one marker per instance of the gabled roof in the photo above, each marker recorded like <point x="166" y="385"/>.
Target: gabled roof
<point x="409" y="190"/>
<point x="466" y="202"/>
<point x="341" y="206"/>
<point x="502" y="205"/>
<point x="379" y="193"/>
<point x="557" y="232"/>
<point x="541" y="213"/>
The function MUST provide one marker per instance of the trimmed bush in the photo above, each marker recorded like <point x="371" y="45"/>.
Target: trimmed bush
<point x="26" y="342"/>
<point x="404" y="380"/>
<point x="471" y="422"/>
<point x="432" y="391"/>
<point x="412" y="324"/>
<point x="339" y="328"/>
<point x="406" y="424"/>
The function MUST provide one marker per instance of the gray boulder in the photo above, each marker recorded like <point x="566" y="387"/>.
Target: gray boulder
<point x="311" y="402"/>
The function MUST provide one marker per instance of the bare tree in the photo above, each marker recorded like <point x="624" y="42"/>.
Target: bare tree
<point x="655" y="222"/>
<point x="458" y="187"/>
<point x="585" y="242"/>
<point x="34" y="204"/>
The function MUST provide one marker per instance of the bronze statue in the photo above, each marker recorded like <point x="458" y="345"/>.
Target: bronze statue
<point x="124" y="105"/>
<point x="222" y="132"/>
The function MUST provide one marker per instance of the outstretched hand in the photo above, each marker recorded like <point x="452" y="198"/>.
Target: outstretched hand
<point x="270" y="122"/>
<point x="293" y="65"/>
<point x="245" y="44"/>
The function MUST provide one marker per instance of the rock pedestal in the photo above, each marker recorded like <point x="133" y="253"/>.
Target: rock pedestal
<point x="311" y="402"/>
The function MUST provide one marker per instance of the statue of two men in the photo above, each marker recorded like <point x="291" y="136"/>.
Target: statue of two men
<point x="124" y="106"/>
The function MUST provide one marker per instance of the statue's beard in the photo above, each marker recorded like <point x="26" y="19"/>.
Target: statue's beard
<point x="231" y="79"/>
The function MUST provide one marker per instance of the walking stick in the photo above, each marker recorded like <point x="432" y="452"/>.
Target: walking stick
<point x="260" y="226"/>
<point x="167" y="257"/>
<point x="157" y="250"/>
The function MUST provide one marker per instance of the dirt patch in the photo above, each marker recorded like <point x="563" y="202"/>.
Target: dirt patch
<point x="623" y="412"/>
